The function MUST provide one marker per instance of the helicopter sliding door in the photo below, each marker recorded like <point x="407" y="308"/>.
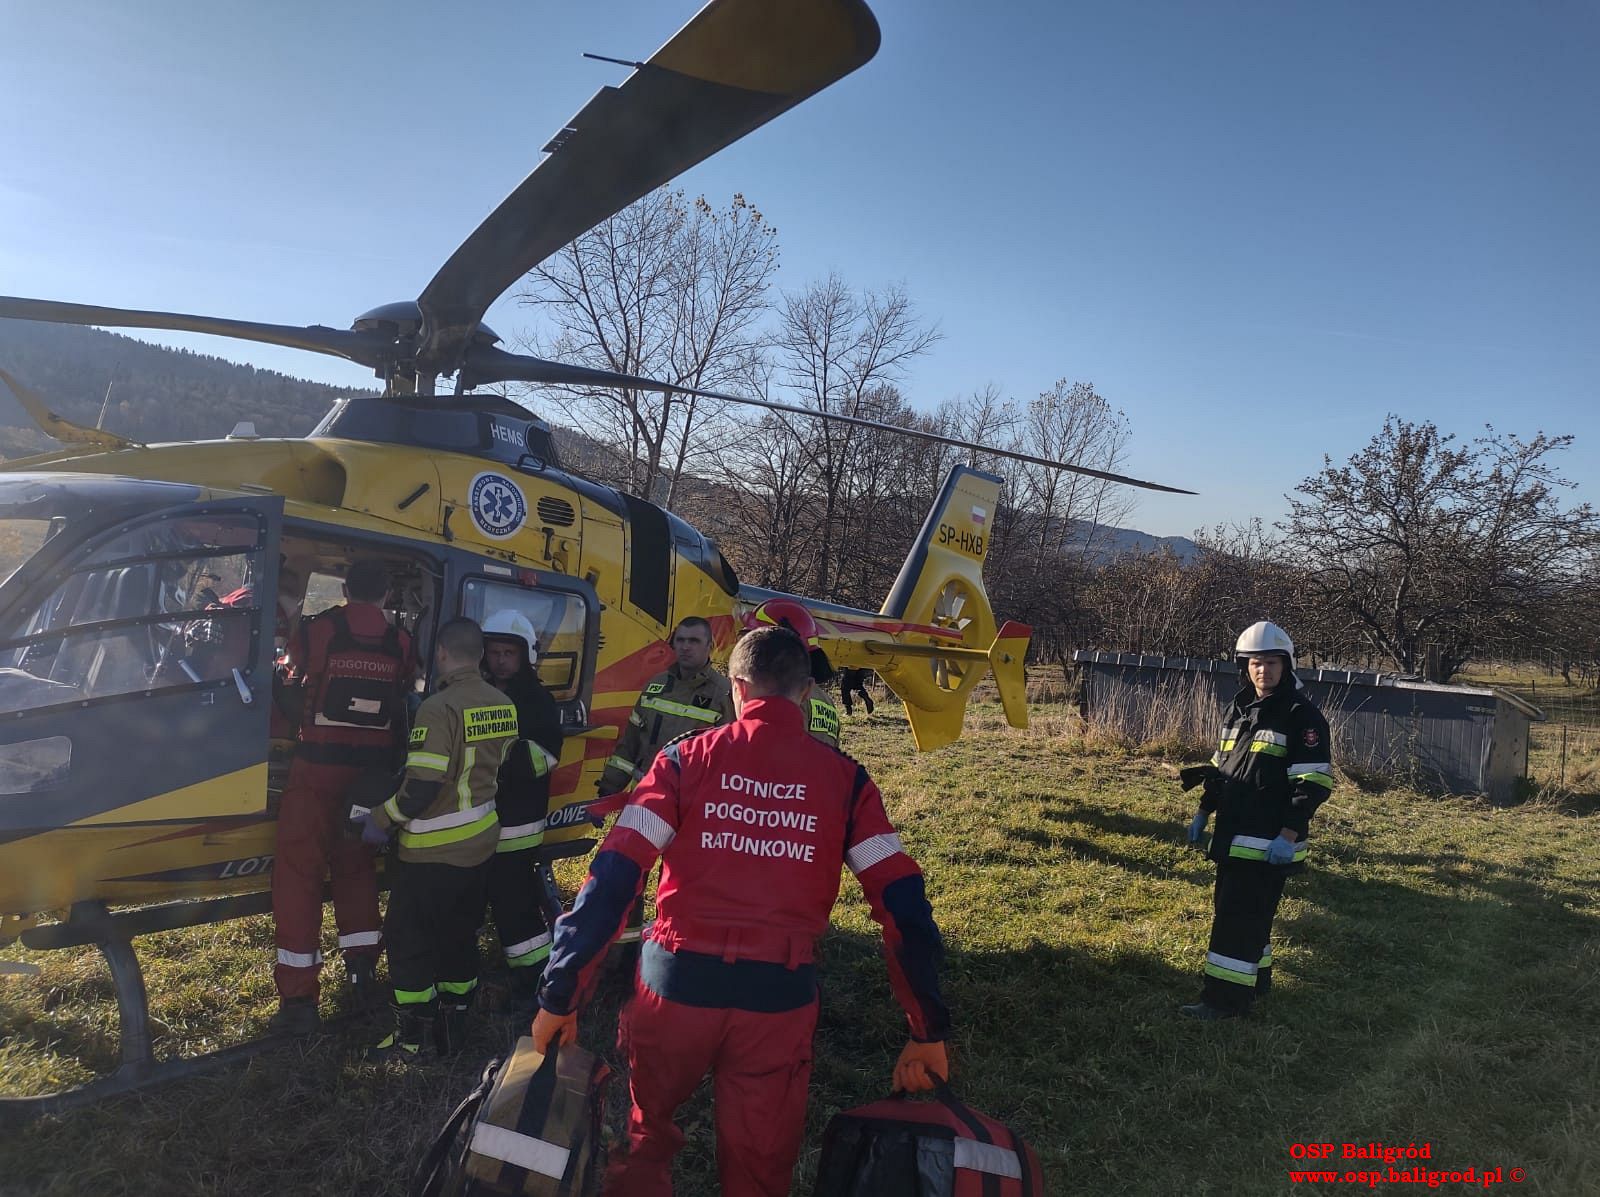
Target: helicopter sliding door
<point x="135" y="682"/>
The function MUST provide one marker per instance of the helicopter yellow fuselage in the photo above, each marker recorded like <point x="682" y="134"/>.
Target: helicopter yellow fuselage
<point x="216" y="836"/>
<point x="168" y="791"/>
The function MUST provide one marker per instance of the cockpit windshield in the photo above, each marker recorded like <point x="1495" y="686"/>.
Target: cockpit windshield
<point x="20" y="539"/>
<point x="128" y="601"/>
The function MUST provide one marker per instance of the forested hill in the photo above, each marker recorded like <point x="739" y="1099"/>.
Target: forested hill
<point x="157" y="394"/>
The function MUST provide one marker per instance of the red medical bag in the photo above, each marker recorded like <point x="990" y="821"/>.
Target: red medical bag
<point x="902" y="1147"/>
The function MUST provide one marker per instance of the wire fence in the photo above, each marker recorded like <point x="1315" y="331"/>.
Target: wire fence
<point x="1564" y="749"/>
<point x="1565" y="755"/>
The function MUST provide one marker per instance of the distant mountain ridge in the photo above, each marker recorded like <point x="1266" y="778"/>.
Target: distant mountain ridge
<point x="156" y="393"/>
<point x="161" y="394"/>
<point x="1125" y="542"/>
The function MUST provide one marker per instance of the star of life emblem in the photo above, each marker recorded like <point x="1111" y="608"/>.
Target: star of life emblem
<point x="498" y="507"/>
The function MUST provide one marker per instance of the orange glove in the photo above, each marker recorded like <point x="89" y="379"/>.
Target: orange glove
<point x="917" y="1061"/>
<point x="553" y="1030"/>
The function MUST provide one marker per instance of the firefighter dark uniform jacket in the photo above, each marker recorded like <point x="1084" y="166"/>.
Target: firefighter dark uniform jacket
<point x="353" y="666"/>
<point x="445" y="808"/>
<point x="753" y="822"/>
<point x="523" y="799"/>
<point x="1274" y="759"/>
<point x="822" y="717"/>
<point x="669" y="706"/>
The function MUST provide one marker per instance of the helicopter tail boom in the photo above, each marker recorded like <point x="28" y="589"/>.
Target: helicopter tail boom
<point x="935" y="638"/>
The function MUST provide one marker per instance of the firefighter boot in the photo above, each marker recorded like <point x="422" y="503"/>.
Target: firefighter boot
<point x="1203" y="1011"/>
<point x="362" y="973"/>
<point x="450" y="1028"/>
<point x="524" y="1002"/>
<point x="295" y="1016"/>
<point x="403" y="1043"/>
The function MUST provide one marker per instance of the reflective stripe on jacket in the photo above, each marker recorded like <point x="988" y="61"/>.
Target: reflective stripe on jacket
<point x="1274" y="755"/>
<point x="668" y="707"/>
<point x="753" y="822"/>
<point x="523" y="799"/>
<point x="445" y="807"/>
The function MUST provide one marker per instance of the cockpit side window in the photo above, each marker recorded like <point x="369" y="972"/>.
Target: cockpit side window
<point x="166" y="602"/>
<point x="559" y="620"/>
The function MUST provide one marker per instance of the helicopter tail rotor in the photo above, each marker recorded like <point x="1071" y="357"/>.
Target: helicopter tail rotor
<point x="935" y="638"/>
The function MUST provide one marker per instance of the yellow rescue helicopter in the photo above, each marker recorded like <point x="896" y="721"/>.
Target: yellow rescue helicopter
<point x="138" y="765"/>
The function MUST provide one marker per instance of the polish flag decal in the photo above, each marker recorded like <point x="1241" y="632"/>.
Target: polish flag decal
<point x="979" y="515"/>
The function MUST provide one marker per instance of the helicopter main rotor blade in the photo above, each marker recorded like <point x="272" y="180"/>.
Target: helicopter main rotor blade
<point x="938" y="438"/>
<point x="51" y="424"/>
<point x="364" y="348"/>
<point x="733" y="67"/>
<point x="486" y="364"/>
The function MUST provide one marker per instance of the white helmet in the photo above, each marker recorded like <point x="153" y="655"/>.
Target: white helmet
<point x="507" y="622"/>
<point x="1265" y="637"/>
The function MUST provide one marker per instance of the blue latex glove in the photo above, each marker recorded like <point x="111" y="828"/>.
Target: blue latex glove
<point x="371" y="834"/>
<point x="1281" y="851"/>
<point x="1197" y="826"/>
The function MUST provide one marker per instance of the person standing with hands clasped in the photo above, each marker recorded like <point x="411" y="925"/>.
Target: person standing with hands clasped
<point x="753" y="821"/>
<point x="1269" y="774"/>
<point x="444" y="812"/>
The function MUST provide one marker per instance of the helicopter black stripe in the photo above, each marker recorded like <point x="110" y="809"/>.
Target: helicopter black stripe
<point x="649" y="558"/>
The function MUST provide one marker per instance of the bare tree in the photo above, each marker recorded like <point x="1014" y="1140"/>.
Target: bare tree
<point x="668" y="290"/>
<point x="1146" y="604"/>
<point x="1433" y="548"/>
<point x="834" y="347"/>
<point x="1074" y="513"/>
<point x="771" y="504"/>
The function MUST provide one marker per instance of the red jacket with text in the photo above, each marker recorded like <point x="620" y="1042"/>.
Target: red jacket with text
<point x="753" y="822"/>
<point x="354" y="667"/>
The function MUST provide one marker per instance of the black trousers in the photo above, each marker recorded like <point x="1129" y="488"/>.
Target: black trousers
<point x="431" y="931"/>
<point x="1238" y="965"/>
<point x="854" y="681"/>
<point x="515" y="896"/>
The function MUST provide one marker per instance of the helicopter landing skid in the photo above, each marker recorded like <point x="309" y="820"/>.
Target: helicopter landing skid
<point x="91" y="923"/>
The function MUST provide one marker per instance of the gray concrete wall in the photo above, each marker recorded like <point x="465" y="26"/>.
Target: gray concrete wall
<point x="1457" y="739"/>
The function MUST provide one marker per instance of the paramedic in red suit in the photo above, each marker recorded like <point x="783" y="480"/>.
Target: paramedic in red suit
<point x="753" y="821"/>
<point x="352" y="667"/>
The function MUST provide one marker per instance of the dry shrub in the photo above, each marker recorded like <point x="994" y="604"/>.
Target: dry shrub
<point x="1178" y="718"/>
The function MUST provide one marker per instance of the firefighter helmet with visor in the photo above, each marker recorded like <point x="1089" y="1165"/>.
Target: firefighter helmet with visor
<point x="1262" y="638"/>
<point x="507" y="624"/>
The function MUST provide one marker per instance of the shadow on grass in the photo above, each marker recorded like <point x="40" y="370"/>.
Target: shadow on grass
<point x="1085" y="849"/>
<point x="1079" y="1050"/>
<point x="1121" y="822"/>
<point x="88" y="1046"/>
<point x="1516" y="884"/>
<point x="312" y="1119"/>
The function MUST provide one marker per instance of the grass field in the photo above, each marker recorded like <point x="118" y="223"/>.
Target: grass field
<point x="1438" y="983"/>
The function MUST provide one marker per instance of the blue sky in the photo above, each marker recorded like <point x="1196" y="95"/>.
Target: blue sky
<point x="1256" y="227"/>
